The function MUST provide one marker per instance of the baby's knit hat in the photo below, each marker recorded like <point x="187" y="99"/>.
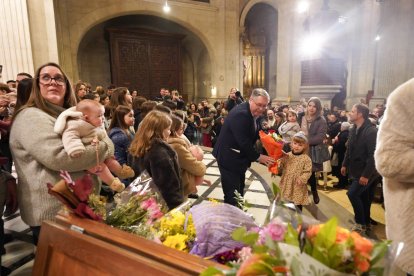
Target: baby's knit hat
<point x="301" y="135"/>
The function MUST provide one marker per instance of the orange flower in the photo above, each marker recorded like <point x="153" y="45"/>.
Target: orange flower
<point x="362" y="264"/>
<point x="313" y="231"/>
<point x="342" y="235"/>
<point x="362" y="245"/>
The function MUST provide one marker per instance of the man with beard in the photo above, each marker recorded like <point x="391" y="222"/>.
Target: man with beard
<point x="360" y="164"/>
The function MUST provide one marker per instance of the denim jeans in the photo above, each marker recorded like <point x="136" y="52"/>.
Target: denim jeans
<point x="361" y="198"/>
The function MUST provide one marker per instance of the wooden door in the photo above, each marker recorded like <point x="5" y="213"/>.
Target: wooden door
<point x="145" y="60"/>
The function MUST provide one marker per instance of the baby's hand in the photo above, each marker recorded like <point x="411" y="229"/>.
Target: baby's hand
<point x="76" y="154"/>
<point x="95" y="170"/>
<point x="95" y="141"/>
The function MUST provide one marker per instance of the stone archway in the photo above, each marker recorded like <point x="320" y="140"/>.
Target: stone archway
<point x="93" y="57"/>
<point x="74" y="23"/>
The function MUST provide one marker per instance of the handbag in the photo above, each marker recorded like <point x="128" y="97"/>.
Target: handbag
<point x="320" y="153"/>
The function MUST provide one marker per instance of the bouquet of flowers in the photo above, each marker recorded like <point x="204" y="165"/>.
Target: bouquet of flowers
<point x="176" y="229"/>
<point x="329" y="250"/>
<point x="135" y="209"/>
<point x="214" y="223"/>
<point x="273" y="145"/>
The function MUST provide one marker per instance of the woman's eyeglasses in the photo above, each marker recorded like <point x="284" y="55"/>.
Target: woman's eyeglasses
<point x="47" y="80"/>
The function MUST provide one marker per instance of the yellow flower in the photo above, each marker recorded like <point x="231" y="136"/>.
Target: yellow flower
<point x="213" y="200"/>
<point x="177" y="241"/>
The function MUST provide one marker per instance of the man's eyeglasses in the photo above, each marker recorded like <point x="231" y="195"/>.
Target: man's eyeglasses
<point x="47" y="80"/>
<point x="262" y="106"/>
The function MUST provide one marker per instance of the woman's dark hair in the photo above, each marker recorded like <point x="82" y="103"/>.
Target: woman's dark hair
<point x="23" y="92"/>
<point x="137" y="102"/>
<point x="147" y="107"/>
<point x="118" y="117"/>
<point x="77" y="88"/>
<point x="118" y="97"/>
<point x="102" y="98"/>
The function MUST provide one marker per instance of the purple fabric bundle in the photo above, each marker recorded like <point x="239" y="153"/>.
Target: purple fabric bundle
<point x="214" y="223"/>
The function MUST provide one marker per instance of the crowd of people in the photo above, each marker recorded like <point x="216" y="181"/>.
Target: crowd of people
<point x="48" y="125"/>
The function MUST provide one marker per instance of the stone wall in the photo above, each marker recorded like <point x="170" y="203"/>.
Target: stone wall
<point x="61" y="31"/>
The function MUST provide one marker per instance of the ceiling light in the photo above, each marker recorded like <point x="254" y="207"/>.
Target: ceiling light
<point x="303" y="6"/>
<point x="312" y="45"/>
<point x="166" y="8"/>
<point x="377" y="38"/>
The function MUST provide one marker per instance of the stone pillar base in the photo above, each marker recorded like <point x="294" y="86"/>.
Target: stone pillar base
<point x="376" y="100"/>
<point x="323" y="92"/>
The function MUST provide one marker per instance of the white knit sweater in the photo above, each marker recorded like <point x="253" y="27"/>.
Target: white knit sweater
<point x="394" y="159"/>
<point x="38" y="154"/>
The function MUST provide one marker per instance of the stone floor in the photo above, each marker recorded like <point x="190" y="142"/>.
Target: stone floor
<point x="19" y="255"/>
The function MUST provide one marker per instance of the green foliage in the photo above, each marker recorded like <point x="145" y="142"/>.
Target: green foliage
<point x="291" y="236"/>
<point x="379" y="251"/>
<point x="127" y="214"/>
<point x="242" y="235"/>
<point x="211" y="271"/>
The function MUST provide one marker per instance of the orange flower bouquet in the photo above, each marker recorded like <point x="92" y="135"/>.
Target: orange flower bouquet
<point x="338" y="248"/>
<point x="273" y="144"/>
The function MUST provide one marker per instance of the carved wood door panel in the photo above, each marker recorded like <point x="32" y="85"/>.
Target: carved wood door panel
<point x="145" y="60"/>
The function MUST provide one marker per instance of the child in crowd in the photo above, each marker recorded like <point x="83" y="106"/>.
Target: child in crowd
<point x="296" y="168"/>
<point x="83" y="124"/>
<point x="288" y="129"/>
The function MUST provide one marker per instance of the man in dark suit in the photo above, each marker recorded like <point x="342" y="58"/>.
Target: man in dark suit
<point x="234" y="149"/>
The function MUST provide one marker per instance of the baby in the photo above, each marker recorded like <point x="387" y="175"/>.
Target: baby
<point x="197" y="152"/>
<point x="83" y="125"/>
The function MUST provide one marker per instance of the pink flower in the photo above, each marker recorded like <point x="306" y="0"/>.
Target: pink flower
<point x="275" y="230"/>
<point x="149" y="203"/>
<point x="245" y="253"/>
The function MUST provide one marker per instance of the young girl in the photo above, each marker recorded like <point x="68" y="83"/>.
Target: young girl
<point x="149" y="151"/>
<point x="189" y="157"/>
<point x="121" y="133"/>
<point x="296" y="169"/>
<point x="288" y="129"/>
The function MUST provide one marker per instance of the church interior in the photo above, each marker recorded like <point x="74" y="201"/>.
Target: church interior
<point x="342" y="51"/>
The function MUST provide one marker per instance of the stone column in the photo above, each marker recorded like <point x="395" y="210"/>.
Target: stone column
<point x="361" y="61"/>
<point x="43" y="30"/>
<point x="15" y="46"/>
<point x="395" y="59"/>
<point x="284" y="49"/>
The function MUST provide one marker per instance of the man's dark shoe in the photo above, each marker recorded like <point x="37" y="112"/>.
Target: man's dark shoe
<point x="315" y="197"/>
<point x="5" y="271"/>
<point x="195" y="196"/>
<point x="339" y="186"/>
<point x="8" y="238"/>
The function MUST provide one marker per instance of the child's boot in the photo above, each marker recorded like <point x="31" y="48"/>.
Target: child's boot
<point x="125" y="172"/>
<point x="117" y="185"/>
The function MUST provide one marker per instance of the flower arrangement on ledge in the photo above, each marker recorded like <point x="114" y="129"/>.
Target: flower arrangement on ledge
<point x="279" y="249"/>
<point x="176" y="230"/>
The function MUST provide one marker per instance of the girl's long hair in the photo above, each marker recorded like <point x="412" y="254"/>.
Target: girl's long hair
<point x="176" y="124"/>
<point x="150" y="130"/>
<point x="118" y="118"/>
